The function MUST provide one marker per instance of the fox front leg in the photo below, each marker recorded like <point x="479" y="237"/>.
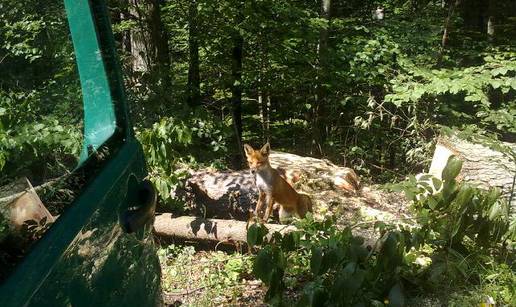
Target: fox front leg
<point x="270" y="201"/>
<point x="259" y="204"/>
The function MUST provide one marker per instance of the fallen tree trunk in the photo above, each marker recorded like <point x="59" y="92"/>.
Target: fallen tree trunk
<point x="195" y="228"/>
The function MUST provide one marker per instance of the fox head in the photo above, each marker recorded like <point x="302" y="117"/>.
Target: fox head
<point x="259" y="158"/>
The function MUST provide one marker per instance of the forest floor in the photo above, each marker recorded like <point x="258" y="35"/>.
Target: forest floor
<point x="200" y="276"/>
<point x="195" y="274"/>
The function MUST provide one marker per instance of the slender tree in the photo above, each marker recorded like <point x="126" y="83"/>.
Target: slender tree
<point x="447" y="23"/>
<point x="160" y="43"/>
<point x="194" y="96"/>
<point x="236" y="78"/>
<point x="321" y="93"/>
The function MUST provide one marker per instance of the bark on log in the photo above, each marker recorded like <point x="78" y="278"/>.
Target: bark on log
<point x="481" y="165"/>
<point x="220" y="194"/>
<point x="195" y="228"/>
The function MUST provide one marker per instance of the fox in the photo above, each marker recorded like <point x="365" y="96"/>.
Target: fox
<point x="273" y="188"/>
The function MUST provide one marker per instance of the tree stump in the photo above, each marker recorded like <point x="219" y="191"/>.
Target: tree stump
<point x="482" y="166"/>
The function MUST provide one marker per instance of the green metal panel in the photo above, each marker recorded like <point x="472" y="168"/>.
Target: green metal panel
<point x="86" y="258"/>
<point x="99" y="114"/>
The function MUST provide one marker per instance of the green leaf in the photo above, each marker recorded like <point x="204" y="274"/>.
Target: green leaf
<point x="463" y="197"/>
<point x="252" y="235"/>
<point x="452" y="169"/>
<point x="396" y="297"/>
<point x="495" y="211"/>
<point x="264" y="265"/>
<point x="437" y="183"/>
<point x="290" y="241"/>
<point x="432" y="202"/>
<point x="316" y="260"/>
<point x="255" y="234"/>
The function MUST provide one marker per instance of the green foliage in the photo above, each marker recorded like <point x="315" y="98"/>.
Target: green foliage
<point x="463" y="95"/>
<point x="341" y="270"/>
<point x="40" y="105"/>
<point x="453" y="211"/>
<point x="212" y="275"/>
<point x="171" y="146"/>
<point x="459" y="227"/>
<point x="49" y="141"/>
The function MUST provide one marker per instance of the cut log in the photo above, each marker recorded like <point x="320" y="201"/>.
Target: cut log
<point x="195" y="228"/>
<point x="23" y="205"/>
<point x="482" y="166"/>
<point x="296" y="168"/>
<point x="231" y="195"/>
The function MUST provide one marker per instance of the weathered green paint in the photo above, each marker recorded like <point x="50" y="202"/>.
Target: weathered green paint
<point x="85" y="258"/>
<point x="99" y="114"/>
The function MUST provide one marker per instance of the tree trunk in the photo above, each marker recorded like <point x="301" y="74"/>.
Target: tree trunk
<point x="234" y="194"/>
<point x="447" y="23"/>
<point x="490" y="27"/>
<point x="149" y="41"/>
<point x="473" y="13"/>
<point x="194" y="96"/>
<point x="195" y="228"/>
<point x="236" y="85"/>
<point x="264" y="105"/>
<point x="160" y="44"/>
<point x="140" y="45"/>
<point x="227" y="195"/>
<point x="120" y="13"/>
<point x="491" y="19"/>
<point x="126" y="35"/>
<point x="319" y="134"/>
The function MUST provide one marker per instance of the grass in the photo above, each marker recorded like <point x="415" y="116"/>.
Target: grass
<point x="217" y="278"/>
<point x="208" y="278"/>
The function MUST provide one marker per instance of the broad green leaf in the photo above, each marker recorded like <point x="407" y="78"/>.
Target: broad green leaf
<point x="452" y="169"/>
<point x="463" y="197"/>
<point x="252" y="235"/>
<point x="264" y="264"/>
<point x="316" y="260"/>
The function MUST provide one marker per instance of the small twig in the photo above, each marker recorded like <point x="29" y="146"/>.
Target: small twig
<point x="373" y="222"/>
<point x="187" y="292"/>
<point x="220" y="242"/>
<point x="3" y="58"/>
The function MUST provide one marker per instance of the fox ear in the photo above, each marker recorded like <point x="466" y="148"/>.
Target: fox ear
<point x="248" y="149"/>
<point x="265" y="149"/>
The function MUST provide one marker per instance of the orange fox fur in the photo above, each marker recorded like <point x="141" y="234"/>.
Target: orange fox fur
<point x="273" y="187"/>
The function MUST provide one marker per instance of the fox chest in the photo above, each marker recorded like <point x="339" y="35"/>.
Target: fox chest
<point x="264" y="183"/>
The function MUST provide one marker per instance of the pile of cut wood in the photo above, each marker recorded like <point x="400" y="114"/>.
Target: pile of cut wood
<point x="220" y="202"/>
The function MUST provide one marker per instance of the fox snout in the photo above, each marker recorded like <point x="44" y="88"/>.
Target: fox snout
<point x="254" y="166"/>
